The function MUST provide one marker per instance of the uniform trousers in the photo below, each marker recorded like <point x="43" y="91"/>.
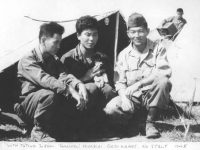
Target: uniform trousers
<point x="157" y="96"/>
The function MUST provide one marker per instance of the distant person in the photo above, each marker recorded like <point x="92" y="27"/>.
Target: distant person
<point x="178" y="20"/>
<point x="144" y="75"/>
<point x="47" y="86"/>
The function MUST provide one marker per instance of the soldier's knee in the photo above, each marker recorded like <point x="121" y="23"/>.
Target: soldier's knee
<point x="115" y="113"/>
<point x="116" y="116"/>
<point x="49" y="97"/>
<point x="91" y="88"/>
<point x="52" y="95"/>
<point x="108" y="92"/>
<point x="164" y="82"/>
<point x="112" y="106"/>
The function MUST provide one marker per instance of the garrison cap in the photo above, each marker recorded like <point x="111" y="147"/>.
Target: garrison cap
<point x="136" y="20"/>
<point x="180" y="10"/>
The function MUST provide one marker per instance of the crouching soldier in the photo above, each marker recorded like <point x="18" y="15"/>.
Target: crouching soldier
<point x="45" y="84"/>
<point x="143" y="77"/>
<point x="80" y="62"/>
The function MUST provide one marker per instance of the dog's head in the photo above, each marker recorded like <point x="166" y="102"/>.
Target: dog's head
<point x="100" y="59"/>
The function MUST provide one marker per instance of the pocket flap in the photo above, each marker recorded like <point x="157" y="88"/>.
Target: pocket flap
<point x="133" y="64"/>
<point x="149" y="63"/>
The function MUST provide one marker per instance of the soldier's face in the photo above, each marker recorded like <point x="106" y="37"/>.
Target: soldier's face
<point x="179" y="14"/>
<point x="138" y="35"/>
<point x="52" y="44"/>
<point x="88" y="38"/>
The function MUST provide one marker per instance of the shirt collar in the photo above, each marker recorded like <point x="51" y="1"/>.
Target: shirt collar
<point x="79" y="55"/>
<point x="47" y="62"/>
<point x="133" y="50"/>
<point x="78" y="51"/>
<point x="181" y="19"/>
<point x="38" y="54"/>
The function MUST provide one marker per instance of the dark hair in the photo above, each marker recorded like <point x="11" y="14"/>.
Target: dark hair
<point x="49" y="29"/>
<point x="101" y="57"/>
<point x="86" y="22"/>
<point x="180" y="10"/>
<point x="145" y="25"/>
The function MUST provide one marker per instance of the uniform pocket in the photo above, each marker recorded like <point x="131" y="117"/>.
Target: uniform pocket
<point x="133" y="70"/>
<point x="148" y="67"/>
<point x="133" y="64"/>
<point x="149" y="63"/>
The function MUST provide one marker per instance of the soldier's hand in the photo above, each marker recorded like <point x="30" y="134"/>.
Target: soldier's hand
<point x="91" y="73"/>
<point x="127" y="105"/>
<point x="99" y="81"/>
<point x="83" y="93"/>
<point x="80" y="100"/>
<point x="97" y="71"/>
<point x="132" y="89"/>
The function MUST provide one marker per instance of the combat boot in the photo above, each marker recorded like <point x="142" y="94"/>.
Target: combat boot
<point x="151" y="131"/>
<point x="40" y="134"/>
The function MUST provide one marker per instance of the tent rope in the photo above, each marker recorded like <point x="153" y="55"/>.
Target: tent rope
<point x="49" y="21"/>
<point x="17" y="48"/>
<point x="64" y="20"/>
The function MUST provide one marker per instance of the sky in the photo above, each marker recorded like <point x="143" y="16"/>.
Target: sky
<point x="12" y="13"/>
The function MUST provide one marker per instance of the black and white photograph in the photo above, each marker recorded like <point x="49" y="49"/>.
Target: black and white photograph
<point x="99" y="74"/>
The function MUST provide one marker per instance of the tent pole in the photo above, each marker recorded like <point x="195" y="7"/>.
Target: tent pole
<point x="116" y="37"/>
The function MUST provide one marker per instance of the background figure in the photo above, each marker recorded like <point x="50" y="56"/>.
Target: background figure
<point x="178" y="20"/>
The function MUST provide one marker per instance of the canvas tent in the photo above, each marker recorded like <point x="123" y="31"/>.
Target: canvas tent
<point x="183" y="55"/>
<point x="112" y="39"/>
<point x="29" y="37"/>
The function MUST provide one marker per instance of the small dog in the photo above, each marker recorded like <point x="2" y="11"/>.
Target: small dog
<point x="102" y="60"/>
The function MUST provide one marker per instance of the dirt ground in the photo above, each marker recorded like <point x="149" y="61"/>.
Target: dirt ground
<point x="169" y="124"/>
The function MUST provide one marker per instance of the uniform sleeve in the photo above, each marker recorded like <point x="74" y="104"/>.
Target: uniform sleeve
<point x="65" y="76"/>
<point x="162" y="64"/>
<point x="182" y="24"/>
<point x="170" y="19"/>
<point x="121" y="68"/>
<point x="65" y="59"/>
<point x="32" y="71"/>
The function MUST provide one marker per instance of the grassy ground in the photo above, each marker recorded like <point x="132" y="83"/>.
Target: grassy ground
<point x="169" y="124"/>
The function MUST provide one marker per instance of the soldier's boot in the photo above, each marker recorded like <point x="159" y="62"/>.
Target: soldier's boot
<point x="151" y="131"/>
<point x="41" y="134"/>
